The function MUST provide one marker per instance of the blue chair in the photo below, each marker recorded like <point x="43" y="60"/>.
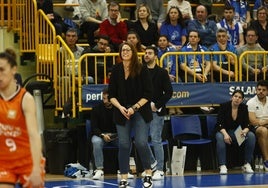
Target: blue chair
<point x="187" y="131"/>
<point x="211" y="121"/>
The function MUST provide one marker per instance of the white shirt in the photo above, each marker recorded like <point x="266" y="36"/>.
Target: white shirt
<point x="255" y="106"/>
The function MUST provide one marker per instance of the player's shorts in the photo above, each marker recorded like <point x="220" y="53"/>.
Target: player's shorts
<point x="17" y="175"/>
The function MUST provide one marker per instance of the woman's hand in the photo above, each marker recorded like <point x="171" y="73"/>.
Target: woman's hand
<point x="124" y="111"/>
<point x="227" y="139"/>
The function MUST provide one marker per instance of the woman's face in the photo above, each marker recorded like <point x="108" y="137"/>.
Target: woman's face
<point x="6" y="73"/>
<point x="173" y="14"/>
<point x="163" y="42"/>
<point x="143" y="13"/>
<point x="262" y="15"/>
<point x="132" y="38"/>
<point x="237" y="99"/>
<point x="126" y="53"/>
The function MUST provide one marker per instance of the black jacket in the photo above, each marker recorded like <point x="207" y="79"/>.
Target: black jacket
<point x="162" y="88"/>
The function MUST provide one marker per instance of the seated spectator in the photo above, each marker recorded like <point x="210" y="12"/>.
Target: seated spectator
<point x="257" y="5"/>
<point x="223" y="65"/>
<point x="234" y="29"/>
<point x="103" y="132"/>
<point x="102" y="46"/>
<point x="174" y="28"/>
<point x="261" y="26"/>
<point x="157" y="9"/>
<point x="253" y="64"/>
<point x="231" y="115"/>
<point x="169" y="62"/>
<point x="93" y="13"/>
<point x="184" y="6"/>
<point x="145" y="28"/>
<point x="196" y="68"/>
<point x="113" y="26"/>
<point x="242" y="11"/>
<point x="134" y="38"/>
<point x="71" y="38"/>
<point x="55" y="18"/>
<point x="206" y="28"/>
<point x="258" y="117"/>
<point x="76" y="9"/>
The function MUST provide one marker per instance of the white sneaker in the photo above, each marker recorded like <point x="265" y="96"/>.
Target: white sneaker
<point x="153" y="168"/>
<point x="158" y="175"/>
<point x="247" y="168"/>
<point x="98" y="174"/>
<point x="223" y="169"/>
<point x="129" y="176"/>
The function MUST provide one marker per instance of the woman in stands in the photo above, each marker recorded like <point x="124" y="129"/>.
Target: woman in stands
<point x="233" y="118"/>
<point x="145" y="28"/>
<point x="21" y="153"/>
<point x="134" y="38"/>
<point x="174" y="28"/>
<point x="130" y="89"/>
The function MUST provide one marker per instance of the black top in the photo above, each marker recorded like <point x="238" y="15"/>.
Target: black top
<point x="225" y="119"/>
<point x="162" y="89"/>
<point x="262" y="34"/>
<point x="147" y="37"/>
<point x="102" y="120"/>
<point x="130" y="91"/>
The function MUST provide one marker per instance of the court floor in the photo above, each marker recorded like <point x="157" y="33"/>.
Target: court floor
<point x="258" y="179"/>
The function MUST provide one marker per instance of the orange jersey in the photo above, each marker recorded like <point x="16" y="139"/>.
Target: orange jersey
<point x="14" y="139"/>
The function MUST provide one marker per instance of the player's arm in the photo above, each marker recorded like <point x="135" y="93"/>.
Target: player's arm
<point x="29" y="110"/>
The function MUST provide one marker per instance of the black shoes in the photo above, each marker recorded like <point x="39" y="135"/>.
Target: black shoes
<point x="147" y="182"/>
<point x="123" y="183"/>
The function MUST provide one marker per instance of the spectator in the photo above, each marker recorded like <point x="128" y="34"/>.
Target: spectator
<point x="261" y="26"/>
<point x="197" y="67"/>
<point x="156" y="8"/>
<point x="258" y="117"/>
<point x="184" y="6"/>
<point x="71" y="38"/>
<point x="134" y="38"/>
<point x="76" y="9"/>
<point x="93" y="13"/>
<point x="113" y="26"/>
<point x="130" y="91"/>
<point x="145" y="28"/>
<point x="206" y="28"/>
<point x="223" y="65"/>
<point x="102" y="46"/>
<point x="253" y="64"/>
<point x="257" y="5"/>
<point x="21" y="157"/>
<point x="231" y="115"/>
<point x="103" y="132"/>
<point x="174" y="28"/>
<point x="162" y="92"/>
<point x="56" y="19"/>
<point x="242" y="11"/>
<point x="234" y="29"/>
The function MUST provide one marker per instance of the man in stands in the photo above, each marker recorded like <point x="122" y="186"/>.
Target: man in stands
<point x="113" y="26"/>
<point x="93" y="13"/>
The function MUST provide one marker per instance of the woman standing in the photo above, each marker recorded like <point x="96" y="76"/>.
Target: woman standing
<point x="174" y="28"/>
<point x="21" y="153"/>
<point x="145" y="28"/>
<point x="130" y="89"/>
<point x="231" y="115"/>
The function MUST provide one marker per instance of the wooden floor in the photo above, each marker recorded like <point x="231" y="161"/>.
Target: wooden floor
<point x="190" y="180"/>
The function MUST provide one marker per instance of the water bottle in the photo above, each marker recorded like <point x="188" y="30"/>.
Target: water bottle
<point x="198" y="165"/>
<point x="257" y="166"/>
<point x="260" y="163"/>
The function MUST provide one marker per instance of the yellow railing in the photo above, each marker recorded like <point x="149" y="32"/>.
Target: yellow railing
<point x="65" y="77"/>
<point x="260" y="64"/>
<point x="46" y="48"/>
<point x="210" y="54"/>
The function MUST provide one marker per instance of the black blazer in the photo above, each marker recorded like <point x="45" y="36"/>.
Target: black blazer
<point x="140" y="86"/>
<point x="162" y="88"/>
<point x="225" y="120"/>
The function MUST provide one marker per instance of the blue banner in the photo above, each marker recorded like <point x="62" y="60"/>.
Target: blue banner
<point x="184" y="94"/>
